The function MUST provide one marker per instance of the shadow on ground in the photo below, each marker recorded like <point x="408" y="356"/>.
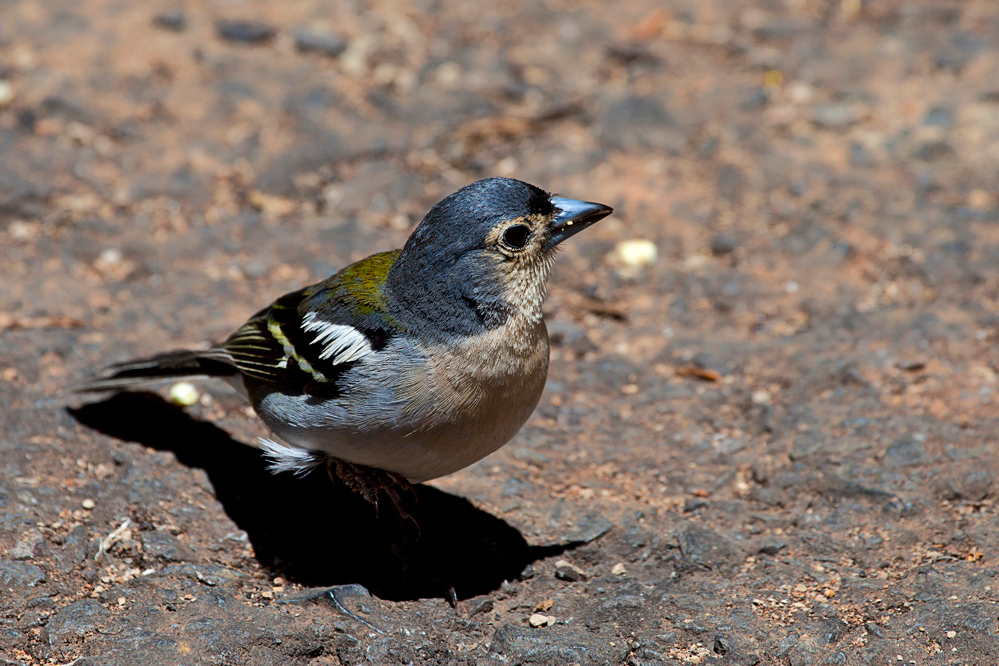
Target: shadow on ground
<point x="317" y="533"/>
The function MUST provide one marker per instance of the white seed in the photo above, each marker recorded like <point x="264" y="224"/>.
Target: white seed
<point x="6" y="92"/>
<point x="636" y="253"/>
<point x="184" y="394"/>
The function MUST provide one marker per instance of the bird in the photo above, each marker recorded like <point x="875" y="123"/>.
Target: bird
<point x="410" y="364"/>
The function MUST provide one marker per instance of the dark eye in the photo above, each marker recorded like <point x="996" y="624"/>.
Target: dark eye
<point x="517" y="235"/>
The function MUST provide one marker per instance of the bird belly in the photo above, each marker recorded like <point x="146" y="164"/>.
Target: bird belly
<point x="421" y="413"/>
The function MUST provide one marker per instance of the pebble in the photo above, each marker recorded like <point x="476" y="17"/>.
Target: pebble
<point x="88" y="504"/>
<point x="835" y="116"/>
<point x="249" y="32"/>
<point x="723" y="244"/>
<point x="172" y="19"/>
<point x="539" y="620"/>
<point x="619" y="569"/>
<point x="567" y="571"/>
<point x="6" y="92"/>
<point x="318" y="40"/>
<point x="636" y="253"/>
<point x="184" y="394"/>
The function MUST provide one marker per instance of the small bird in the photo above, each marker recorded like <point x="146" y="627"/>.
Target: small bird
<point x="410" y="364"/>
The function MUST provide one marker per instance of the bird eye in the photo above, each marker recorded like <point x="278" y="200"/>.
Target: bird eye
<point x="516" y="236"/>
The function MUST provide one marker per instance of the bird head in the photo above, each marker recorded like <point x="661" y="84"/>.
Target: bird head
<point x="484" y="254"/>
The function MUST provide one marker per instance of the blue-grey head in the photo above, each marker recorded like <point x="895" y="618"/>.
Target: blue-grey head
<point x="483" y="255"/>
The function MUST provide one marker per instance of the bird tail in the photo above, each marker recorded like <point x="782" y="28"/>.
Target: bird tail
<point x="162" y="367"/>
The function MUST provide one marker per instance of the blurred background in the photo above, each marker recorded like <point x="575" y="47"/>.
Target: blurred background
<point x="774" y="367"/>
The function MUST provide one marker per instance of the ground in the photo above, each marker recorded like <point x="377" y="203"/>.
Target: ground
<point x="776" y="444"/>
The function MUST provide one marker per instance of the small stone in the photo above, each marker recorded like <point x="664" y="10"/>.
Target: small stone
<point x="693" y="504"/>
<point x="636" y="253"/>
<point x="172" y="19"/>
<point x="318" y="40"/>
<point x="619" y="569"/>
<point x="835" y="116"/>
<point x="544" y="606"/>
<point x="6" y="92"/>
<point x="952" y="634"/>
<point x="772" y="546"/>
<point x="703" y="546"/>
<point x="17" y="575"/>
<point x="249" y="32"/>
<point x="184" y="394"/>
<point x="939" y="117"/>
<point x="906" y="452"/>
<point x="723" y="244"/>
<point x="568" y="572"/>
<point x="166" y="546"/>
<point x="539" y="620"/>
<point x="481" y="606"/>
<point x="88" y="504"/>
<point x="933" y="151"/>
<point x="74" y="621"/>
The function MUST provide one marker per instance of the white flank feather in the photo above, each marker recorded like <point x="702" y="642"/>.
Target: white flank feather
<point x="342" y="344"/>
<point x="286" y="458"/>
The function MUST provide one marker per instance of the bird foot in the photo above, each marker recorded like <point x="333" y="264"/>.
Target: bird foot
<point x="370" y="483"/>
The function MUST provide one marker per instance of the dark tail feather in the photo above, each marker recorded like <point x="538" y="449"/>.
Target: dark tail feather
<point x="162" y="367"/>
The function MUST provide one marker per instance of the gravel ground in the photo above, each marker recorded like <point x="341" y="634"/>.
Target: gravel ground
<point x="775" y="445"/>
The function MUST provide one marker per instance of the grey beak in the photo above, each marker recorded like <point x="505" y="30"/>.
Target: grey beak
<point x="572" y="217"/>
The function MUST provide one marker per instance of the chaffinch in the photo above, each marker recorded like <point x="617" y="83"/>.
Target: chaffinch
<point x="417" y="362"/>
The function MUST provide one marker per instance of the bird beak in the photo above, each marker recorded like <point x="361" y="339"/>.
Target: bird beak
<point x="572" y="217"/>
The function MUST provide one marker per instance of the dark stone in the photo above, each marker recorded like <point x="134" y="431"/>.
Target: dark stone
<point x="772" y="546"/>
<point x="961" y="50"/>
<point x="906" y="452"/>
<point x="874" y="630"/>
<point x="755" y="99"/>
<point x="210" y="574"/>
<point x="73" y="551"/>
<point x="171" y="19"/>
<point x="589" y="528"/>
<point x="723" y="244"/>
<point x="315" y="40"/>
<point x="249" y="32"/>
<point x="705" y="547"/>
<point x="641" y="122"/>
<point x="12" y="638"/>
<point x="625" y="610"/>
<point x="730" y="182"/>
<point x="723" y="644"/>
<point x="166" y="546"/>
<point x="75" y="621"/>
<point x="569" y="573"/>
<point x="554" y="645"/>
<point x="973" y="486"/>
<point x="693" y="504"/>
<point x="17" y="575"/>
<point x="933" y="151"/>
<point x="939" y="117"/>
<point x="481" y="606"/>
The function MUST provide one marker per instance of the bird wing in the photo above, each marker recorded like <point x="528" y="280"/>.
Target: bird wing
<point x="306" y="339"/>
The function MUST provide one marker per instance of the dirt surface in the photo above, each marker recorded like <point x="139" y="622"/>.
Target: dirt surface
<point x="776" y="445"/>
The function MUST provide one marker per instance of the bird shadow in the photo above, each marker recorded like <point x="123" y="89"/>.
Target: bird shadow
<point x="317" y="533"/>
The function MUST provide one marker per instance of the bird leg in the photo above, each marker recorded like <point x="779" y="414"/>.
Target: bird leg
<point x="369" y="482"/>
